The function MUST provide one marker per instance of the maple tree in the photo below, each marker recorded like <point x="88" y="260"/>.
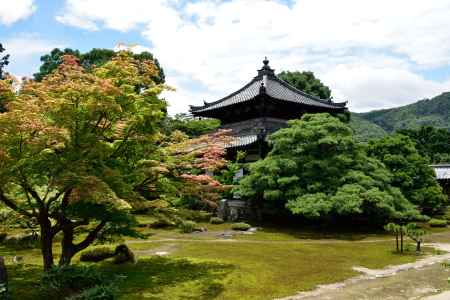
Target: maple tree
<point x="184" y="168"/>
<point x="69" y="146"/>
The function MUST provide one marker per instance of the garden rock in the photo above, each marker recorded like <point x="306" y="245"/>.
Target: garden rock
<point x="226" y="235"/>
<point x="18" y="260"/>
<point x="123" y="254"/>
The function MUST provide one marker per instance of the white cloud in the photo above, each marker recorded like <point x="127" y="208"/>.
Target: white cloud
<point x="13" y="11"/>
<point x="370" y="88"/>
<point x="369" y="52"/>
<point x="135" y="48"/>
<point x="118" y="15"/>
<point x="25" y="51"/>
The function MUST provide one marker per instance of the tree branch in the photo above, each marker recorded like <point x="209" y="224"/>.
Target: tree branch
<point x="14" y="206"/>
<point x="90" y="237"/>
<point x="124" y="141"/>
<point x="66" y="193"/>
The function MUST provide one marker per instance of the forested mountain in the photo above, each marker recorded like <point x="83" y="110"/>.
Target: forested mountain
<point x="365" y="130"/>
<point x="434" y="112"/>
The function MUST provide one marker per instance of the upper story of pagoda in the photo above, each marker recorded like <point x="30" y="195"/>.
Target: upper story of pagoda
<point x="266" y="96"/>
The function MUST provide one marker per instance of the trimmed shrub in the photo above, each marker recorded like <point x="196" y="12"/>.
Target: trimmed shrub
<point x="437" y="223"/>
<point x="446" y="213"/>
<point x="241" y="226"/>
<point x="216" y="220"/>
<point x="187" y="226"/>
<point x="123" y="254"/>
<point x="60" y="282"/>
<point x="97" y="254"/>
<point x="194" y="215"/>
<point x="162" y="222"/>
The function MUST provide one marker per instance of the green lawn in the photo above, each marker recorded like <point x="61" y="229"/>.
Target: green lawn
<point x="261" y="266"/>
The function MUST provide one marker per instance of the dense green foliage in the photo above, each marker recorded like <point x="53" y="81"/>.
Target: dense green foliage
<point x="4" y="60"/>
<point x="187" y="226"/>
<point x="216" y="220"/>
<point x="398" y="231"/>
<point x="437" y="223"/>
<point x="189" y="125"/>
<point x="316" y="169"/>
<point x="434" y="112"/>
<point x="94" y="58"/>
<point x="431" y="142"/>
<point x="75" y="282"/>
<point x="415" y="233"/>
<point x="411" y="171"/>
<point x="306" y="81"/>
<point x="6" y="93"/>
<point x="241" y="226"/>
<point x="365" y="130"/>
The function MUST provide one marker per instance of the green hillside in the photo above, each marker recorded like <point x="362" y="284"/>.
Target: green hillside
<point x="434" y="112"/>
<point x="364" y="129"/>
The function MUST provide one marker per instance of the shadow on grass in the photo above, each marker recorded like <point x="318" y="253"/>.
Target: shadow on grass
<point x="154" y="278"/>
<point x="317" y="232"/>
<point x="24" y="282"/>
<point x="168" y="278"/>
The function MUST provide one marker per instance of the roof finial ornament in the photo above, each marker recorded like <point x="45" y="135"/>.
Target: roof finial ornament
<point x="262" y="88"/>
<point x="266" y="70"/>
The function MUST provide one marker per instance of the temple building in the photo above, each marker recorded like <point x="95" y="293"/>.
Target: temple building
<point x="442" y="172"/>
<point x="261" y="107"/>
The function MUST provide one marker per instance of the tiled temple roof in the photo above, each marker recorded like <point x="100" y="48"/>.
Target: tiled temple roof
<point x="442" y="171"/>
<point x="267" y="83"/>
<point x="241" y="141"/>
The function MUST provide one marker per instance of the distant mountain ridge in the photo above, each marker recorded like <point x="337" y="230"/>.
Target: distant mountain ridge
<point x="434" y="112"/>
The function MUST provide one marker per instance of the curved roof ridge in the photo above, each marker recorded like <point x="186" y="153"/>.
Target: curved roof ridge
<point x="312" y="97"/>
<point x="228" y="96"/>
<point x="274" y="87"/>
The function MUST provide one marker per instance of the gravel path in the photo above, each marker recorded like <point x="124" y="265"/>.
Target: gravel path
<point x="408" y="281"/>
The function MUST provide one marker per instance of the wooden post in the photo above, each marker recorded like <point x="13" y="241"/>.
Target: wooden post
<point x="401" y="239"/>
<point x="396" y="240"/>
<point x="3" y="280"/>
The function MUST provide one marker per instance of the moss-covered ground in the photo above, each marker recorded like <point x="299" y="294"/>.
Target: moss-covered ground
<point x="274" y="262"/>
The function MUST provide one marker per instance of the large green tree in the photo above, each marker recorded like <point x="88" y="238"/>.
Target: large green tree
<point x="191" y="126"/>
<point x="95" y="57"/>
<point x="316" y="169"/>
<point x="306" y="82"/>
<point x="68" y="148"/>
<point x="431" y="142"/>
<point x="411" y="170"/>
<point x="4" y="60"/>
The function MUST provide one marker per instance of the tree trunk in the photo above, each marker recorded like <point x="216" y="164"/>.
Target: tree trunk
<point x="401" y="241"/>
<point x="46" y="242"/>
<point x="418" y="246"/>
<point x="67" y="247"/>
<point x="66" y="256"/>
<point x="3" y="279"/>
<point x="396" y="241"/>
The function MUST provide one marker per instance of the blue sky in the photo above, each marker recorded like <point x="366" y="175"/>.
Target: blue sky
<point x="375" y="54"/>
